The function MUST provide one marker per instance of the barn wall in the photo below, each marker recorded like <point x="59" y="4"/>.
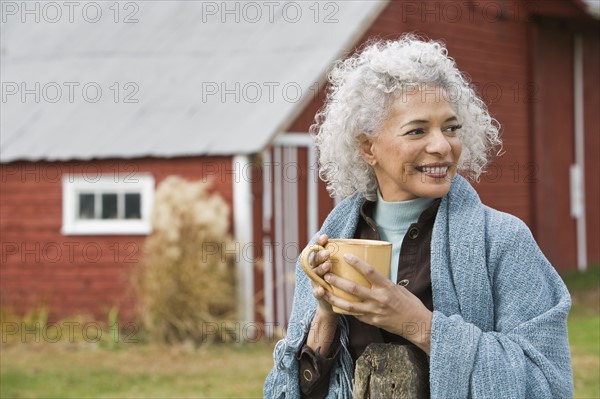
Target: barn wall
<point x="554" y="144"/>
<point x="77" y="274"/>
<point x="495" y="45"/>
<point x="493" y="51"/>
<point x="591" y="66"/>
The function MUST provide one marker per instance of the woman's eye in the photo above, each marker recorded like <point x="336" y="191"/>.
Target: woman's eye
<point x="414" y="132"/>
<point x="453" y="128"/>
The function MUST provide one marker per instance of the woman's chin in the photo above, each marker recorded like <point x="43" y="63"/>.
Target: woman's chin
<point x="434" y="189"/>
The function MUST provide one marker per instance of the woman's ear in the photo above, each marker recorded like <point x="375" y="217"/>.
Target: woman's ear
<point x="365" y="144"/>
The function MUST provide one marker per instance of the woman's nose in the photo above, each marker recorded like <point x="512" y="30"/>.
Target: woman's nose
<point x="438" y="143"/>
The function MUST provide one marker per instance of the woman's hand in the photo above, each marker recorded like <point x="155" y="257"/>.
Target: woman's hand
<point x="322" y="331"/>
<point x="384" y="305"/>
<point x="321" y="264"/>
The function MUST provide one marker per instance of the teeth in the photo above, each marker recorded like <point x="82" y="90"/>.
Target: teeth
<point x="436" y="170"/>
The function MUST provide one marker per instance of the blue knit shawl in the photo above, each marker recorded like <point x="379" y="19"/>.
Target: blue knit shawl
<point x="500" y="309"/>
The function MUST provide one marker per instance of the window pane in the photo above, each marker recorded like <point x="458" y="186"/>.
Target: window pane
<point x="86" y="206"/>
<point x="109" y="206"/>
<point x="132" y="206"/>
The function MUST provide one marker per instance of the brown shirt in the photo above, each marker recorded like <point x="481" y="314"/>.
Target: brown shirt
<point x="413" y="272"/>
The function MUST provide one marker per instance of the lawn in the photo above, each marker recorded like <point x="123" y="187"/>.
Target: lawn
<point x="135" y="370"/>
<point x="584" y="331"/>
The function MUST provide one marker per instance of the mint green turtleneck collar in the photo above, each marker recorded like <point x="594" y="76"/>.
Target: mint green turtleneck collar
<point x="393" y="220"/>
<point x="395" y="216"/>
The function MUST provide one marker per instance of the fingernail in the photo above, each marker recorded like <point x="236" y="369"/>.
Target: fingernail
<point x="350" y="258"/>
<point x="327" y="277"/>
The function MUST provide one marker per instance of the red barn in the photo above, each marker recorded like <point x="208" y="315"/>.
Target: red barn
<point x="96" y="114"/>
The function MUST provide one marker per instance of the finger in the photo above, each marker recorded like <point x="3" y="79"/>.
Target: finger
<point x="321" y="295"/>
<point x="370" y="273"/>
<point x="319" y="292"/>
<point x="322" y="240"/>
<point x="320" y="257"/>
<point x="323" y="268"/>
<point x="348" y="286"/>
<point x="357" y="308"/>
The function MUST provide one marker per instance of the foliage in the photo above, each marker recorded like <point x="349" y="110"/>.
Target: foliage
<point x="34" y="327"/>
<point x="187" y="283"/>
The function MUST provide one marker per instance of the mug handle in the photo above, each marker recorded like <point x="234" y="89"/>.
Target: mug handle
<point x="308" y="269"/>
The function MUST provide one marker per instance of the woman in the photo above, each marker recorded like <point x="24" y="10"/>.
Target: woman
<point x="469" y="286"/>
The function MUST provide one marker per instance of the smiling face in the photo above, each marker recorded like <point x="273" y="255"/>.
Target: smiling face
<point x="416" y="151"/>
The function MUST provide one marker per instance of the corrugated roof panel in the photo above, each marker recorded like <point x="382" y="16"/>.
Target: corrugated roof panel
<point x="177" y="82"/>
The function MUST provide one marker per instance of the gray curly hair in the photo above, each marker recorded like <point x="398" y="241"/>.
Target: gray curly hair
<point x="362" y="88"/>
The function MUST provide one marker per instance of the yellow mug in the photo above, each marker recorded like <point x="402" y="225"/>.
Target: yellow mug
<point x="376" y="253"/>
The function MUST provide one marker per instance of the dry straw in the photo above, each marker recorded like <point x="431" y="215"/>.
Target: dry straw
<point x="187" y="280"/>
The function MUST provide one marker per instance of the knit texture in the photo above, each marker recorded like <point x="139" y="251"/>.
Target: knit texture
<point x="500" y="309"/>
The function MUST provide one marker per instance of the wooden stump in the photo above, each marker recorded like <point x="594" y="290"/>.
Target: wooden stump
<point x="388" y="371"/>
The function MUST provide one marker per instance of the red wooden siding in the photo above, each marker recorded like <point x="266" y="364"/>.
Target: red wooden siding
<point x="494" y="44"/>
<point x="76" y="274"/>
<point x="257" y="248"/>
<point x="591" y="70"/>
<point x="494" y="54"/>
<point x="554" y="145"/>
<point x="492" y="50"/>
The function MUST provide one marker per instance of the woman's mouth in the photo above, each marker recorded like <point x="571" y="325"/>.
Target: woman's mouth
<point x="436" y="171"/>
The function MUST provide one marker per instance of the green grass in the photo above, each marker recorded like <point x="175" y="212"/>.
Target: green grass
<point x="135" y="371"/>
<point x="584" y="331"/>
<point x="584" y="338"/>
<point x="578" y="282"/>
<point x="80" y="370"/>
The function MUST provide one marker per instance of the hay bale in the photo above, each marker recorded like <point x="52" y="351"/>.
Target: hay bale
<point x="186" y="284"/>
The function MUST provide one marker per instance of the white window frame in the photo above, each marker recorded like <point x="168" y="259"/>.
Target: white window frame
<point x="71" y="187"/>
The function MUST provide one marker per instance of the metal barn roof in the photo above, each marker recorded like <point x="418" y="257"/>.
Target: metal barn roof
<point x="163" y="78"/>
